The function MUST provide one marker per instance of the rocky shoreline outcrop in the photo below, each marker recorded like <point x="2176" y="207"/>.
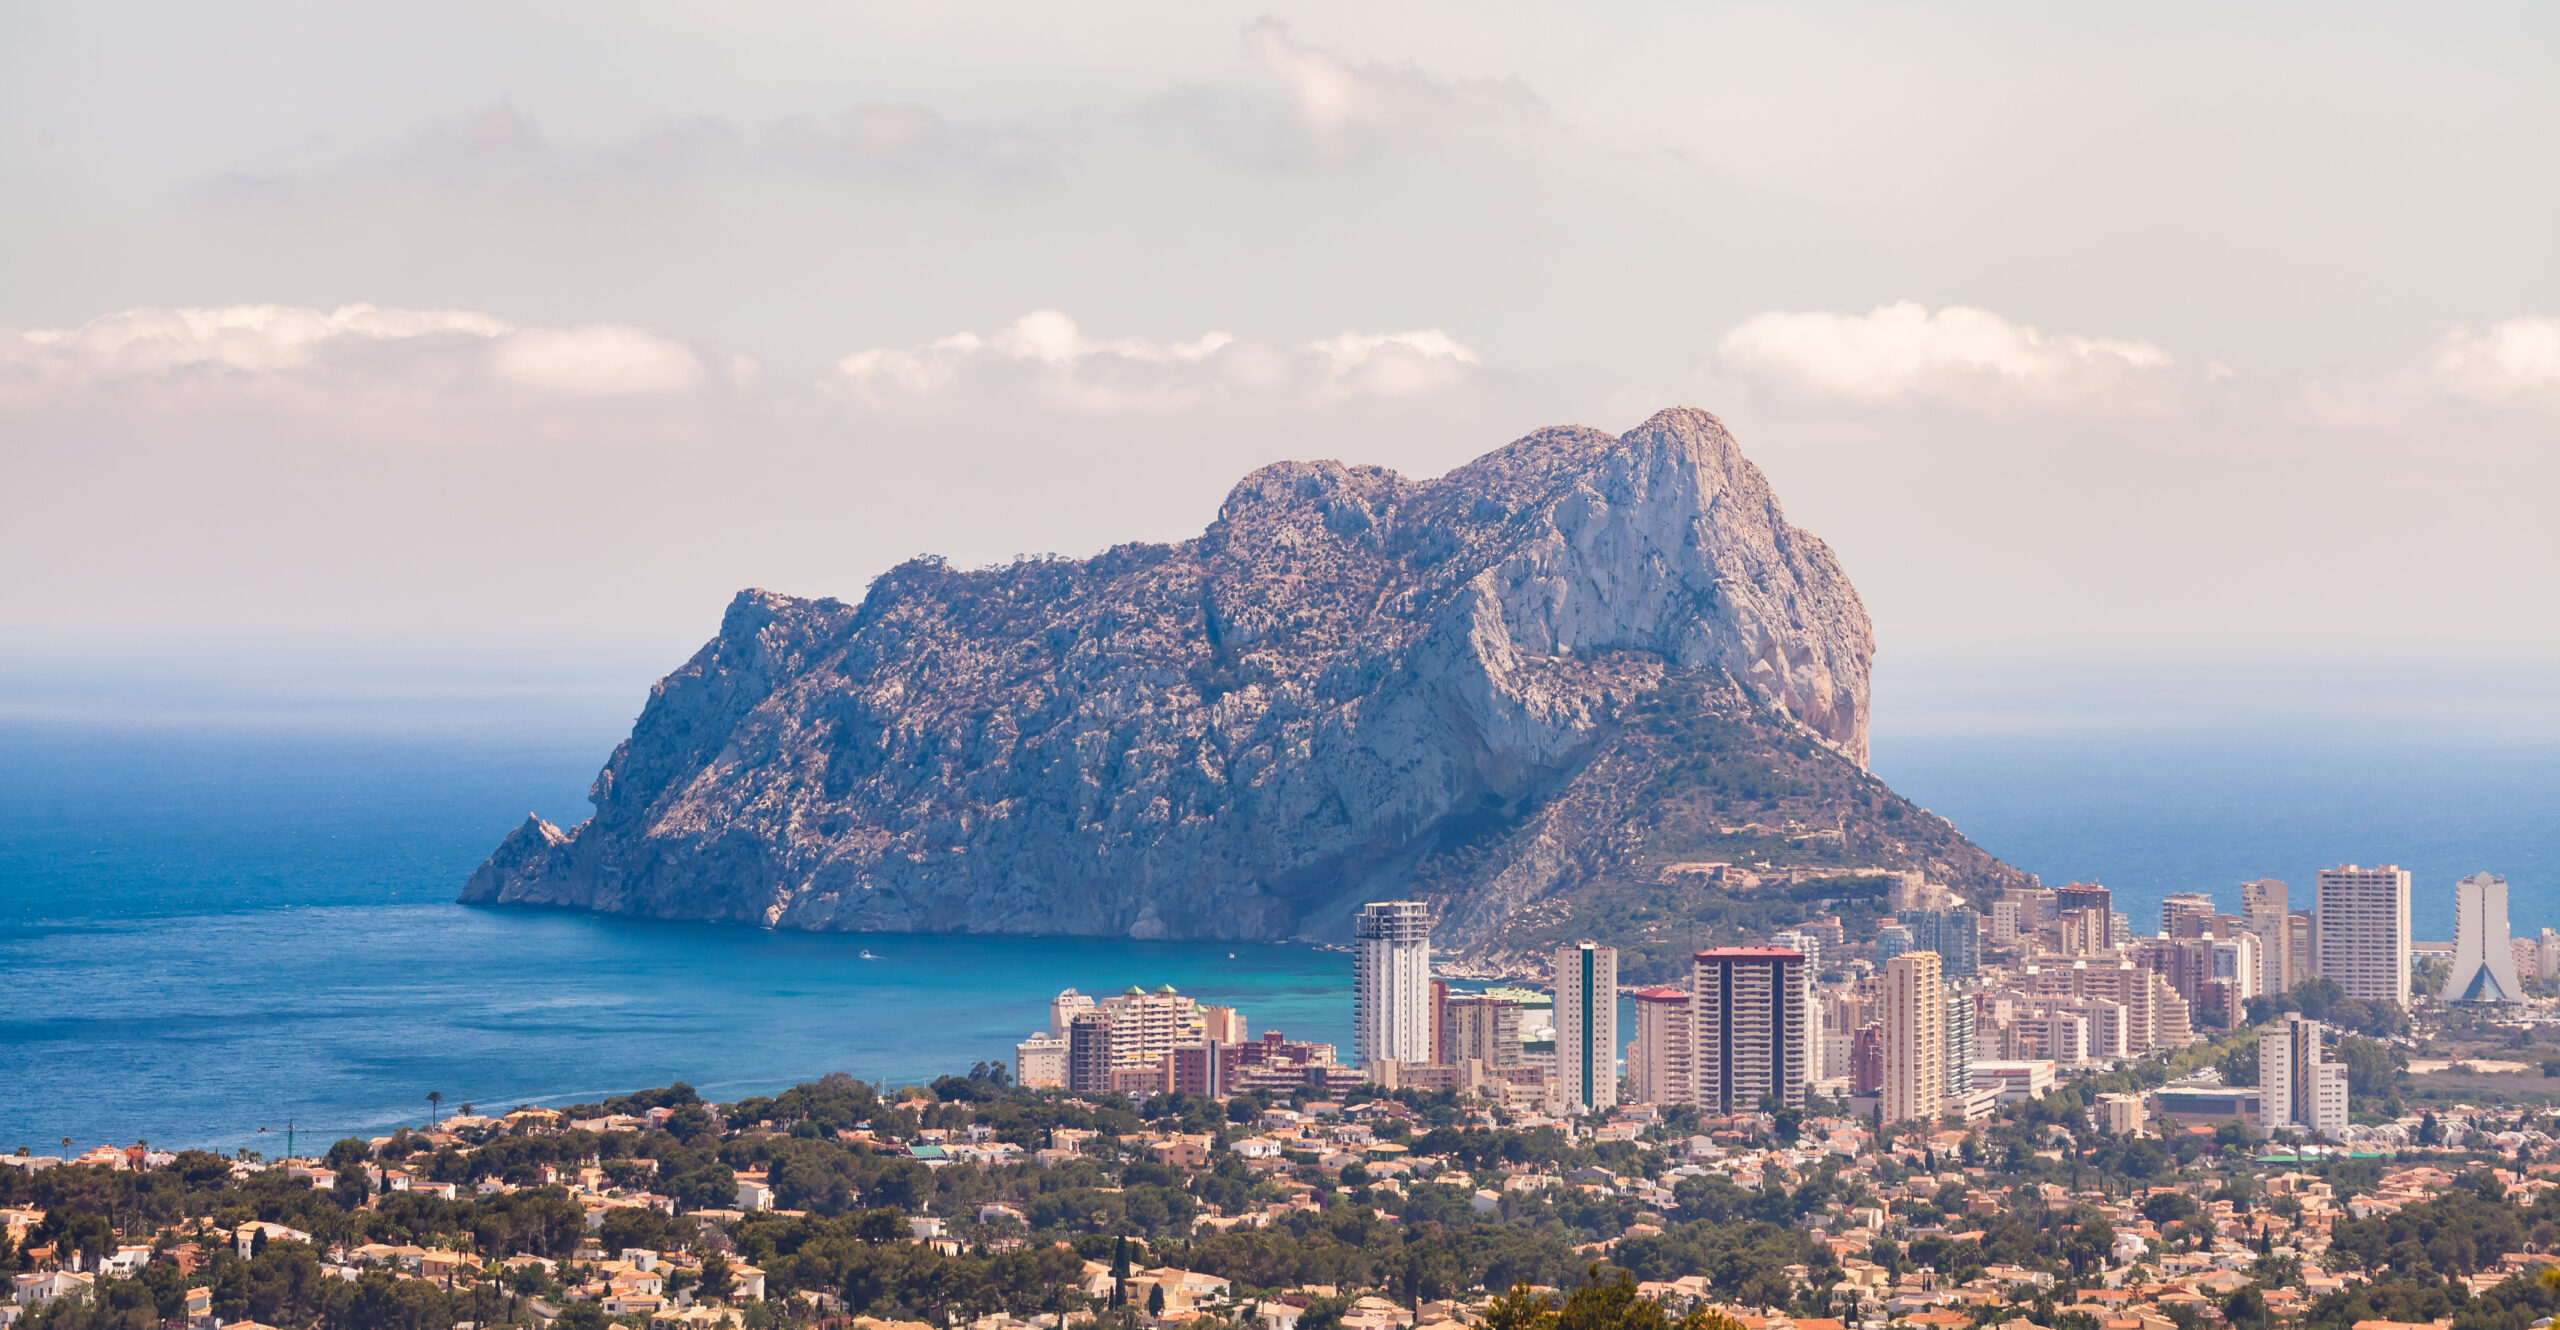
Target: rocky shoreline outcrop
<point x="1349" y="675"/>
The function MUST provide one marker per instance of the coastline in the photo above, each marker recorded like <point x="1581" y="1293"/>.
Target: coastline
<point x="214" y="933"/>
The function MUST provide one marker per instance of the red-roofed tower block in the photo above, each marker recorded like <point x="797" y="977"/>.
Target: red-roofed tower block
<point x="1753" y="1027"/>
<point x="1659" y="1061"/>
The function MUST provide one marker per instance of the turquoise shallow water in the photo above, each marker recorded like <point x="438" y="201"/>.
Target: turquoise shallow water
<point x="205" y="931"/>
<point x="202" y="934"/>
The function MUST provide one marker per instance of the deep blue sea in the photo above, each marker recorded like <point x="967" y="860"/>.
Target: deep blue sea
<point x="207" y="933"/>
<point x="210" y="929"/>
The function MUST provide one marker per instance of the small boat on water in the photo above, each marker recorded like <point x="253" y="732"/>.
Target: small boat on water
<point x="866" y="954"/>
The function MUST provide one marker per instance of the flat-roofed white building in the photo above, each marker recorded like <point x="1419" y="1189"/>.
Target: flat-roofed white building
<point x="1040" y="1060"/>
<point x="2016" y="1079"/>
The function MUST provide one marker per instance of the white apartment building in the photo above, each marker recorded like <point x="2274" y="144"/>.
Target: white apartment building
<point x="2057" y="1034"/>
<point x="1483" y="1027"/>
<point x="2297" y="1089"/>
<point x="1145" y="1026"/>
<point x="2527" y="956"/>
<point x="2238" y="961"/>
<point x="2364" y="931"/>
<point x="1837" y="1046"/>
<point x="2016" y="1080"/>
<point x="1807" y="943"/>
<point x="2484" y="965"/>
<point x="2084" y="932"/>
<point x="1063" y="1009"/>
<point x="2134" y="1010"/>
<point x="2004" y="923"/>
<point x="2265" y="912"/>
<point x="2186" y="914"/>
<point x="2118" y="1114"/>
<point x="1809" y="1026"/>
<point x="1957" y="1080"/>
<point x="1391" y="971"/>
<point x="1041" y="1060"/>
<point x="1586" y="989"/>
<point x="1914" y="1037"/>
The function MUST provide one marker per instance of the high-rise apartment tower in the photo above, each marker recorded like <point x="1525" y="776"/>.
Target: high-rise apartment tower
<point x="2264" y="912"/>
<point x="2186" y="914"/>
<point x="2363" y="929"/>
<point x="1659" y="1061"/>
<point x="1391" y="971"/>
<point x="1587" y="1025"/>
<point x="1090" y="1060"/>
<point x="2082" y="896"/>
<point x="2296" y="1088"/>
<point x="1956" y="935"/>
<point x="1753" y="1021"/>
<point x="1063" y="1009"/>
<point x="2484" y="967"/>
<point x="1958" y="1077"/>
<point x="1481" y="1027"/>
<point x="1915" y="1034"/>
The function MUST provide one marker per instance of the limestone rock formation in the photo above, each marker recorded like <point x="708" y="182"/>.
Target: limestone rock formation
<point x="1353" y="684"/>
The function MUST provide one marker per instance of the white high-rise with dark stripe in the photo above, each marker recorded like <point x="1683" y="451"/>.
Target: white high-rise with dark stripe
<point x="1753" y="1028"/>
<point x="1586" y="1027"/>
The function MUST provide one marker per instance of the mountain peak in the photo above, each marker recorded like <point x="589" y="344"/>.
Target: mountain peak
<point x="1348" y="678"/>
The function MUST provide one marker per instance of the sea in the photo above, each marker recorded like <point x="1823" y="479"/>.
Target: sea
<point x="228" y="921"/>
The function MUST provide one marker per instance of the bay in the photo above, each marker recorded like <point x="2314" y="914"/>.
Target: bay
<point x="206" y="933"/>
<point x="207" y="930"/>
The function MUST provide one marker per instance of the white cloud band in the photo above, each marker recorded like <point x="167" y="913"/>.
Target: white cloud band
<point x="2514" y="358"/>
<point x="1903" y="350"/>
<point x="250" y="344"/>
<point x="1045" y="354"/>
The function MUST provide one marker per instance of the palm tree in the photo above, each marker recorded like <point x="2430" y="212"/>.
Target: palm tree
<point x="435" y="1101"/>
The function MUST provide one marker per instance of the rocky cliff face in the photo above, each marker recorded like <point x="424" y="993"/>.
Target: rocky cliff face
<point x="1349" y="676"/>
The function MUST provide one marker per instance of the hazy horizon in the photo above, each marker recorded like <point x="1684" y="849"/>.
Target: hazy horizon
<point x="589" y="693"/>
<point x="2207" y="339"/>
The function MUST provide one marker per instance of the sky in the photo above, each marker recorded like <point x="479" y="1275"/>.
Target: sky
<point x="2209" y="350"/>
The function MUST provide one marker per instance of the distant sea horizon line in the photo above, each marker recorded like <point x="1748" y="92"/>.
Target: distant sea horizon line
<point x="567" y="693"/>
<point x="235" y="907"/>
